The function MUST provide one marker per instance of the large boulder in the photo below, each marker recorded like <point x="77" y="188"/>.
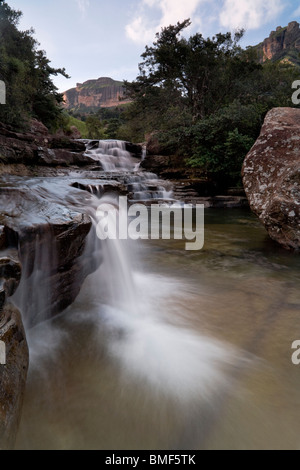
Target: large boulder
<point x="38" y="147"/>
<point x="38" y="128"/>
<point x="271" y="176"/>
<point x="50" y="235"/>
<point x="13" y="348"/>
<point x="43" y="234"/>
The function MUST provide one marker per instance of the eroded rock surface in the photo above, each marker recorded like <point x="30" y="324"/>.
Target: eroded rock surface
<point x="12" y="374"/>
<point x="271" y="175"/>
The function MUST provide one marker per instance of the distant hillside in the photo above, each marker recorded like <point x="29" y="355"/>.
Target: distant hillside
<point x="94" y="94"/>
<point x="282" y="44"/>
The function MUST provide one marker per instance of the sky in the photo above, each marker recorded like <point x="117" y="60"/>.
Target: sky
<point x="105" y="38"/>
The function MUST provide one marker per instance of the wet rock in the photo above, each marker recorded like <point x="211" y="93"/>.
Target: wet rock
<point x="2" y="237"/>
<point x="57" y="157"/>
<point x="12" y="374"/>
<point x="136" y="150"/>
<point x="10" y="274"/>
<point x="101" y="188"/>
<point x="50" y="236"/>
<point x="271" y="176"/>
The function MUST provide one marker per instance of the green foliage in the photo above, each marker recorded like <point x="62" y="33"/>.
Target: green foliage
<point x="66" y="121"/>
<point x="27" y="74"/>
<point x="206" y="99"/>
<point x="112" y="122"/>
<point x="81" y="126"/>
<point x="95" y="128"/>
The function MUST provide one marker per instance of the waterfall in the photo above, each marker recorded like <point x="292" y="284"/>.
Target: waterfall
<point x="116" y="161"/>
<point x="35" y="295"/>
<point x="125" y="317"/>
<point x="112" y="155"/>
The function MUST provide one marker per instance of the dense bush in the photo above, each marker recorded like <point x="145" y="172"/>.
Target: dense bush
<point x="205" y="99"/>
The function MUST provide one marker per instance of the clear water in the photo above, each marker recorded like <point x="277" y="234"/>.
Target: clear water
<point x="196" y="356"/>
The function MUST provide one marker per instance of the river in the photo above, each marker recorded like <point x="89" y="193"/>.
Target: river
<point x="196" y="354"/>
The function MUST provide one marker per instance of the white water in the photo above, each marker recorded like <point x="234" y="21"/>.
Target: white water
<point x="103" y="376"/>
<point x="137" y="323"/>
<point x="145" y="339"/>
<point x="139" y="314"/>
<point x="114" y="159"/>
<point x="111" y="154"/>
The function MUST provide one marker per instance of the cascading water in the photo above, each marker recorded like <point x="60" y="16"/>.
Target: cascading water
<point x="112" y="155"/>
<point x="142" y="359"/>
<point x="155" y="363"/>
<point x="133" y="317"/>
<point x="115" y="160"/>
<point x="34" y="295"/>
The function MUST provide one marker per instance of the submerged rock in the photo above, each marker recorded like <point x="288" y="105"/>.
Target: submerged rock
<point x="271" y="176"/>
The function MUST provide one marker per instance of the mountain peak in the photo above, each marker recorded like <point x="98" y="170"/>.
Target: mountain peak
<point x="282" y="44"/>
<point x="103" y="92"/>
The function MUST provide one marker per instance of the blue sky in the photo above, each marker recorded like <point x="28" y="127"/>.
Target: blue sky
<point x="93" y="38"/>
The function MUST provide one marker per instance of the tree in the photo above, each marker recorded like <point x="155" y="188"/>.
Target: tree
<point x="205" y="98"/>
<point x="95" y="128"/>
<point x="27" y="74"/>
<point x="195" y="72"/>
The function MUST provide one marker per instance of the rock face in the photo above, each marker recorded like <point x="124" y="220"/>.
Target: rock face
<point x="271" y="176"/>
<point x="284" y="43"/>
<point x="42" y="231"/>
<point x="92" y="94"/>
<point x="49" y="234"/>
<point x="13" y="348"/>
<point x="40" y="148"/>
<point x="12" y="374"/>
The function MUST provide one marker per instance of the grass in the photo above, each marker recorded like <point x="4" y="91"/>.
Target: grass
<point x="81" y="126"/>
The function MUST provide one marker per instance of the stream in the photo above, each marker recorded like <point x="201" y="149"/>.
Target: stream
<point x="172" y="349"/>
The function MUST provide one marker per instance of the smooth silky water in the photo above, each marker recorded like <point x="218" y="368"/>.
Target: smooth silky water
<point x="168" y="349"/>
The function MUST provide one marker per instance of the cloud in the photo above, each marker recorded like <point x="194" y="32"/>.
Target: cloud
<point x="143" y="27"/>
<point x="83" y="5"/>
<point x="297" y="12"/>
<point x="249" y="14"/>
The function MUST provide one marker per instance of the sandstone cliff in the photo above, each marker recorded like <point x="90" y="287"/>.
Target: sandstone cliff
<point x="282" y="44"/>
<point x="92" y="94"/>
